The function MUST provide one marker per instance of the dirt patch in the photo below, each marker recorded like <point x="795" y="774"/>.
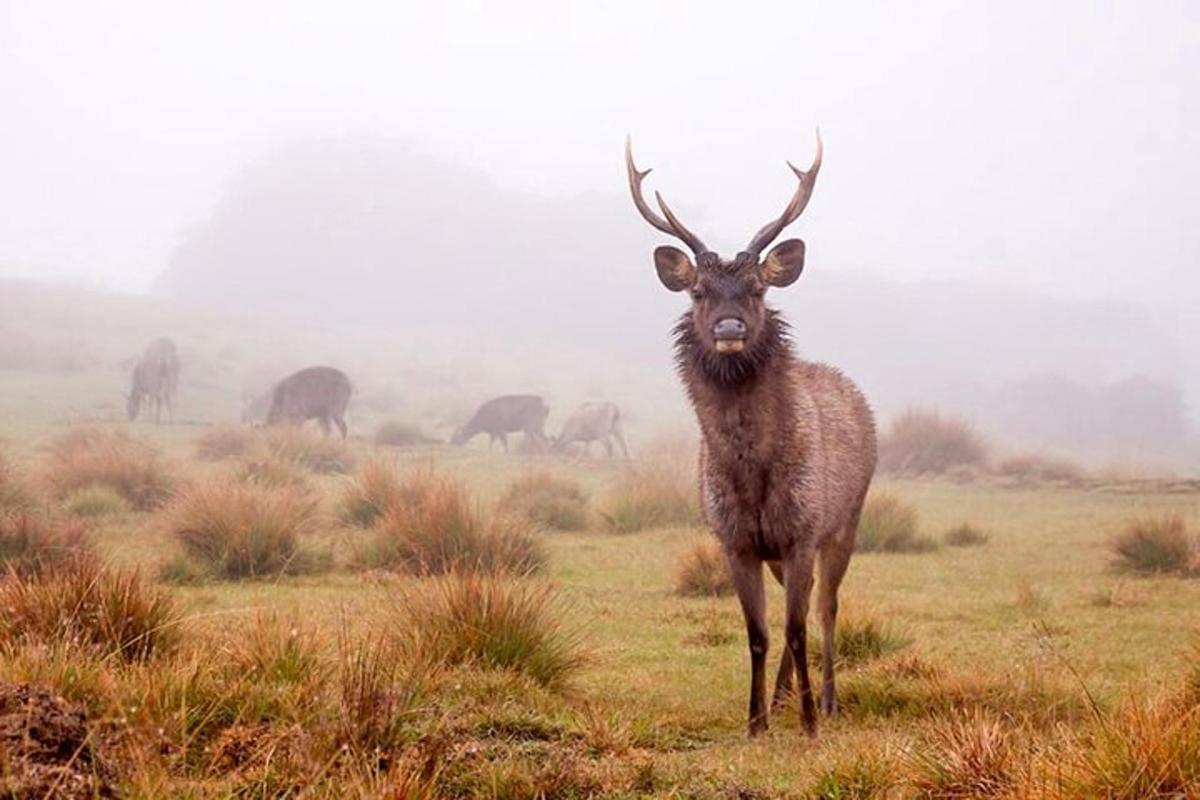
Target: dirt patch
<point x="45" y="750"/>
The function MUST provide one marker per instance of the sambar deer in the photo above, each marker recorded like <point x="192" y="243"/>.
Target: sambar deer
<point x="787" y="446"/>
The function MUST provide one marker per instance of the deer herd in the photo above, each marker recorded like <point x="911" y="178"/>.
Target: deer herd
<point x="787" y="446"/>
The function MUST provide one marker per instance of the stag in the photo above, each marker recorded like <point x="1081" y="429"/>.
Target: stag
<point x="593" y="422"/>
<point x="155" y="379"/>
<point x="510" y="413"/>
<point x="320" y="393"/>
<point x="787" y="446"/>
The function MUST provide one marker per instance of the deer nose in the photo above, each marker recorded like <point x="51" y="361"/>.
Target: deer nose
<point x="729" y="328"/>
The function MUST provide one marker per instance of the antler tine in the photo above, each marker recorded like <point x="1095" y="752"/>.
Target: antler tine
<point x="671" y="225"/>
<point x="795" y="208"/>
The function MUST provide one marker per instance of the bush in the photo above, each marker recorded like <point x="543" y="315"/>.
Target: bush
<point x="395" y="433"/>
<point x="965" y="535"/>
<point x="95" y="501"/>
<point x="320" y="454"/>
<point x="889" y="525"/>
<point x="653" y="495"/>
<point x="702" y="572"/>
<point x="436" y="528"/>
<point x="235" y="530"/>
<point x="375" y="489"/>
<point x="225" y="441"/>
<point x="32" y="544"/>
<point x="547" y="501"/>
<point x="492" y="622"/>
<point x="920" y="442"/>
<point x="82" y="603"/>
<point x="87" y="457"/>
<point x="1034" y="468"/>
<point x="1153" y="545"/>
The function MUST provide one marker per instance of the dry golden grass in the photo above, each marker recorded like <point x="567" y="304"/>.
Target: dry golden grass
<point x="95" y="501"/>
<point x="312" y="451"/>
<point x="15" y="495"/>
<point x="436" y="528"/>
<point x="491" y="622"/>
<point x="86" y="457"/>
<point x="373" y="490"/>
<point x="235" y="530"/>
<point x="1034" y="468"/>
<point x="82" y="603"/>
<point x="965" y="535"/>
<point x="34" y="543"/>
<point x="547" y="501"/>
<point x="221" y="442"/>
<point x="889" y="525"/>
<point x="397" y="433"/>
<point x="701" y="572"/>
<point x="972" y="756"/>
<point x="653" y="494"/>
<point x="1155" y="544"/>
<point x="920" y="442"/>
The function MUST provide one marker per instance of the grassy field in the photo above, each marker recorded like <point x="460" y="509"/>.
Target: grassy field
<point x="1002" y="663"/>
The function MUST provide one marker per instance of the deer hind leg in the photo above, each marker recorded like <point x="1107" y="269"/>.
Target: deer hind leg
<point x="323" y="421"/>
<point x="608" y="448"/>
<point x="341" y="426"/>
<point x="746" y="572"/>
<point x="621" y="441"/>
<point x="835" y="557"/>
<point x="797" y="584"/>
<point x="787" y="671"/>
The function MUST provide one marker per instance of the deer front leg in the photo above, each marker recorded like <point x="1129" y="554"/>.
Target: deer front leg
<point x="746" y="572"/>
<point x="798" y="581"/>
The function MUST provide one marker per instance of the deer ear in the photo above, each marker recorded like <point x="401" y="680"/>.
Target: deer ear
<point x="675" y="269"/>
<point x="784" y="263"/>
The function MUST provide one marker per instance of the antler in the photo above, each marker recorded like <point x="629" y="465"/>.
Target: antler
<point x="808" y="179"/>
<point x="671" y="225"/>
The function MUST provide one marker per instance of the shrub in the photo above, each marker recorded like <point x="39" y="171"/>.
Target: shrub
<point x="920" y="442"/>
<point x="1154" y="544"/>
<point x="81" y="602"/>
<point x="702" y="572"/>
<point x="372" y="491"/>
<point x="436" y="528"/>
<point x="378" y="688"/>
<point x="320" y="454"/>
<point x="1033" y="468"/>
<point x="395" y="433"/>
<point x="492" y="622"/>
<point x="236" y="530"/>
<point x="86" y="457"/>
<point x="33" y="544"/>
<point x="889" y="525"/>
<point x="95" y="501"/>
<point x="225" y="441"/>
<point x="547" y="501"/>
<point x="652" y="495"/>
<point x="965" y="535"/>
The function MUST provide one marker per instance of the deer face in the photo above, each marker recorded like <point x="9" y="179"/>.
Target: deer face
<point x="728" y="311"/>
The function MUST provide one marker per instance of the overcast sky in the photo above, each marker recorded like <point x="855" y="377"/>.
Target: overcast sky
<point x="1049" y="145"/>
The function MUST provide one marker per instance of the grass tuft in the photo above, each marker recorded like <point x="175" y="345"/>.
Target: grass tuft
<point x="82" y="603"/>
<point x="1154" y="544"/>
<point x="95" y="501"/>
<point x="973" y="756"/>
<point x="701" y="572"/>
<point x="221" y="442"/>
<point x="654" y="494"/>
<point x="33" y="544"/>
<point x="396" y="433"/>
<point x="492" y="622"/>
<point x="234" y="530"/>
<point x="1031" y="468"/>
<point x="372" y="491"/>
<point x="921" y="442"/>
<point x="14" y="494"/>
<point x="316" y="453"/>
<point x="547" y="501"/>
<point x="889" y="525"/>
<point x="861" y="638"/>
<point x="436" y="528"/>
<point x="965" y="535"/>
<point x="87" y="457"/>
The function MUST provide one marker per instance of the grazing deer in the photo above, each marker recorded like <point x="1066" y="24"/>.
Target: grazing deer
<point x="155" y="379"/>
<point x="320" y="393"/>
<point x="510" y="413"/>
<point x="593" y="422"/>
<point x="787" y="446"/>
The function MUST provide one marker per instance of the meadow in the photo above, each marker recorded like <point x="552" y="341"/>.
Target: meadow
<point x="226" y="612"/>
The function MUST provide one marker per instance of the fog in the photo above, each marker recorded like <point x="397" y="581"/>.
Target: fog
<point x="1010" y="195"/>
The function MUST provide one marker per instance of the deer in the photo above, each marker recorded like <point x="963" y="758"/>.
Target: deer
<point x="509" y="413"/>
<point x="320" y="393"/>
<point x="592" y="422"/>
<point x="155" y="378"/>
<point x="787" y="446"/>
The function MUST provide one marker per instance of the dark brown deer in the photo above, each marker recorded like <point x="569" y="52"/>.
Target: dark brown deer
<point x="593" y="422"/>
<point x="787" y="446"/>
<point x="320" y="393"/>
<point x="155" y="379"/>
<point x="510" y="413"/>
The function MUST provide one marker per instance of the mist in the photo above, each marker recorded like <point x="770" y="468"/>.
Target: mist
<point x="1010" y="196"/>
